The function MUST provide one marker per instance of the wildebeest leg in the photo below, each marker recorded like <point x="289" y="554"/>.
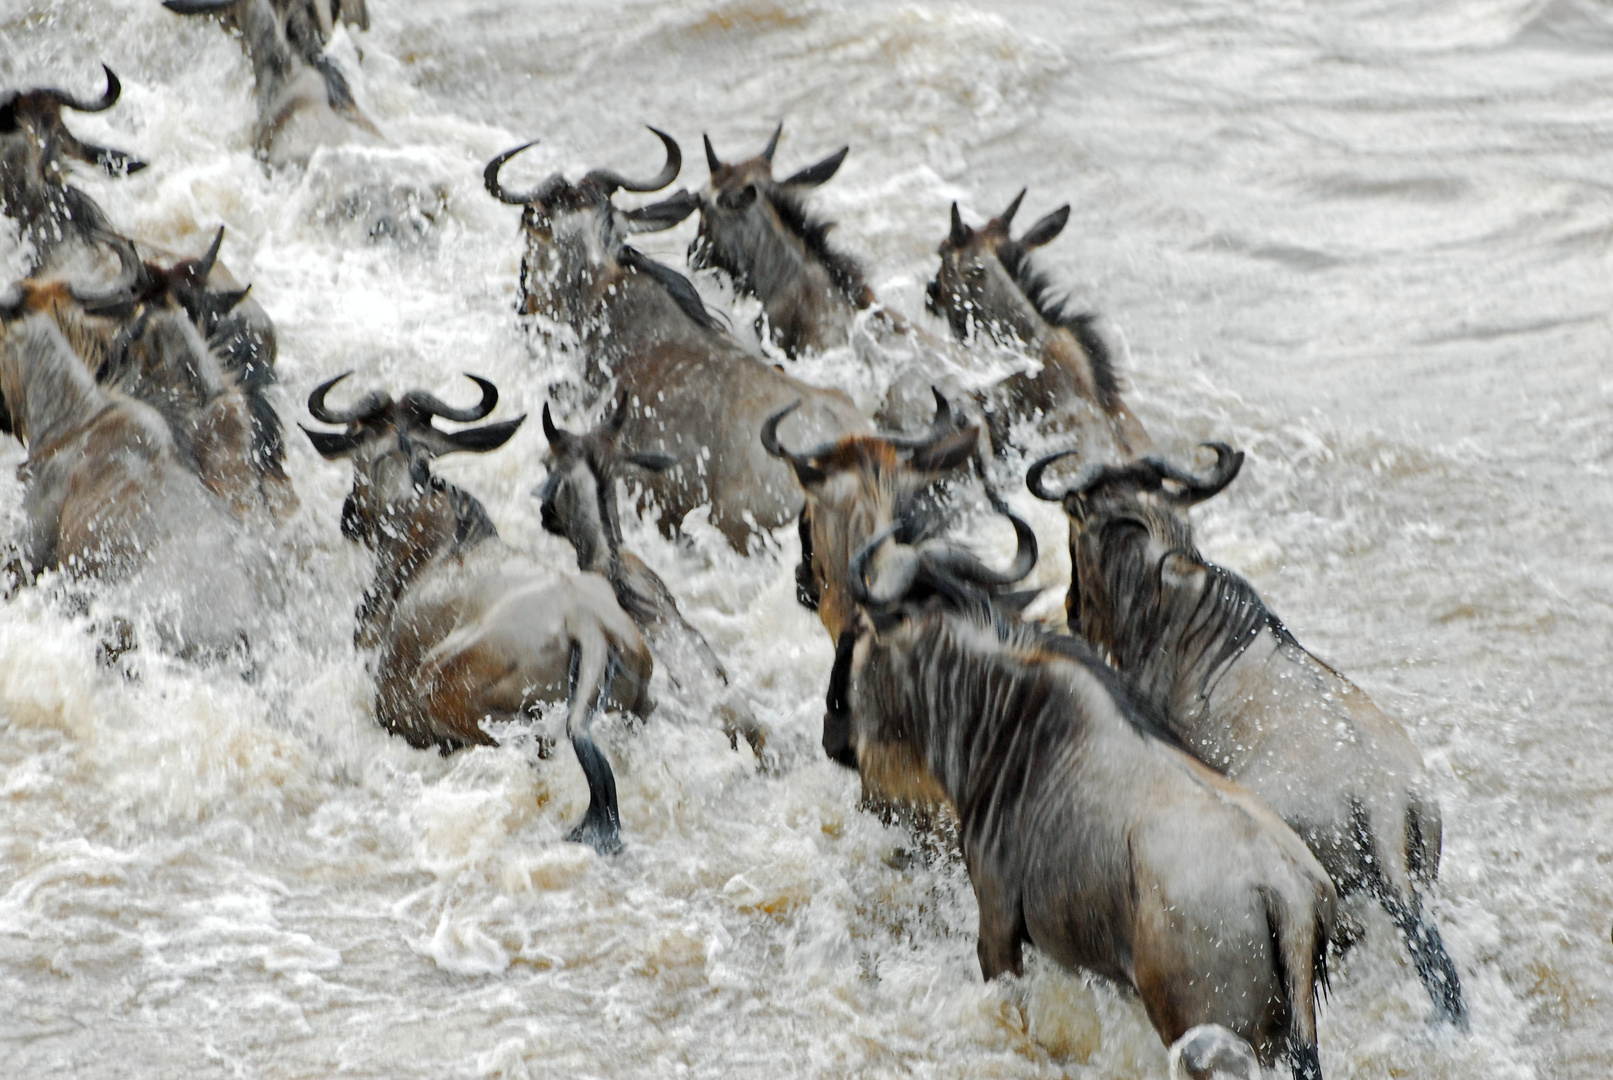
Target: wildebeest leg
<point x="1002" y="928"/>
<point x="1307" y="1062"/>
<point x="1434" y="965"/>
<point x="601" y="825"/>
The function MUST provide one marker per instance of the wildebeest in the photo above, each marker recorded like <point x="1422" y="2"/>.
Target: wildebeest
<point x="109" y="498"/>
<point x="69" y="233"/>
<point x="693" y="393"/>
<point x="986" y="286"/>
<point x="757" y="231"/>
<point x="303" y="98"/>
<point x="469" y="630"/>
<point x="147" y="338"/>
<point x="1085" y="831"/>
<point x="579" y="503"/>
<point x="1199" y="644"/>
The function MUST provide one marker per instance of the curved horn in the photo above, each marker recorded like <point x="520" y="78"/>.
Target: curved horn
<point x="204" y="265"/>
<point x="894" y="584"/>
<point x="367" y="406"/>
<point x="431" y="405"/>
<point x="772" y="144"/>
<point x="940" y="427"/>
<point x="966" y="566"/>
<point x="610" y="181"/>
<point x="802" y="463"/>
<point x="557" y="436"/>
<point x="495" y="189"/>
<point x="960" y="231"/>
<point x="1007" y="216"/>
<point x="1195" y="489"/>
<point x="1033" y="478"/>
<point x="713" y="162"/>
<point x="108" y="99"/>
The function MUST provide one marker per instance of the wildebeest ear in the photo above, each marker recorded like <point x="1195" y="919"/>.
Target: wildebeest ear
<point x="661" y="215"/>
<point x="813" y="175"/>
<point x="480" y="440"/>
<point x="949" y="452"/>
<point x="1047" y="228"/>
<point x="653" y="462"/>
<point x="332" y="444"/>
<point x="1075" y="505"/>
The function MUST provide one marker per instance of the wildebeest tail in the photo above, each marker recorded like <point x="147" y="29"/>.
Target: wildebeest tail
<point x="1299" y="949"/>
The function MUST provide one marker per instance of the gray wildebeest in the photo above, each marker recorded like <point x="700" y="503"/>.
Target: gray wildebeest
<point x="1201" y="647"/>
<point x="693" y="393"/>
<point x="579" y="503"/>
<point x="986" y="286"/>
<point x="303" y="99"/>
<point x="757" y="231"/>
<point x="69" y="233"/>
<point x="149" y="338"/>
<point x="469" y="630"/>
<point x="109" y="498"/>
<point x="1085" y="830"/>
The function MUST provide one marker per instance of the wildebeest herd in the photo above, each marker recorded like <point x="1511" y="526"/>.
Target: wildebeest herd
<point x="1169" y="791"/>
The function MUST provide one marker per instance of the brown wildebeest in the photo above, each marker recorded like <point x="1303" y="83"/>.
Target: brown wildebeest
<point x="147" y="338"/>
<point x="1085" y="830"/>
<point x="693" y="393"/>
<point x="987" y="287"/>
<point x="579" y="503"/>
<point x="109" y="497"/>
<point x="1198" y="643"/>
<point x="69" y="233"/>
<point x="757" y="231"/>
<point x="304" y="101"/>
<point x="468" y="629"/>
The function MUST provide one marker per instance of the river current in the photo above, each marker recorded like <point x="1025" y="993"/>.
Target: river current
<point x="1365" y="242"/>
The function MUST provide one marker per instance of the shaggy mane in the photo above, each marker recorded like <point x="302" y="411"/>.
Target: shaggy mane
<point x="843" y="270"/>
<point x="677" y="286"/>
<point x="1037" y="288"/>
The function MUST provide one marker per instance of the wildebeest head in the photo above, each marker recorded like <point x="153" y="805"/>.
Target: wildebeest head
<point x="579" y="494"/>
<point x="867" y="531"/>
<point x="756" y="230"/>
<point x="984" y="282"/>
<point x="576" y="237"/>
<point x="391" y="444"/>
<point x="1134" y="514"/>
<point x="35" y="144"/>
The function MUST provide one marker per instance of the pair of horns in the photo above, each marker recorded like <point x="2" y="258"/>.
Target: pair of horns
<point x="1037" y="235"/>
<point x="942" y="426"/>
<point x="713" y="162"/>
<point x="941" y="566"/>
<point x="1148" y="474"/>
<point x="811" y="176"/>
<point x="559" y="436"/>
<point x="417" y="402"/>
<point x="604" y="181"/>
<point x="143" y="281"/>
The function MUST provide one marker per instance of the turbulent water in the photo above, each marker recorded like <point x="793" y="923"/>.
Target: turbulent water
<point x="1366" y="242"/>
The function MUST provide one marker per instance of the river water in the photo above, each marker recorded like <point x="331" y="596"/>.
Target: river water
<point x="1366" y="242"/>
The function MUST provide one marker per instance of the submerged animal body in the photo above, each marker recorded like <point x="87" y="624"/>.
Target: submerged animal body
<point x="693" y="394"/>
<point x="69" y="233"/>
<point x="1085" y="831"/>
<point x="579" y="503"/>
<point x="986" y="287"/>
<point x="149" y="338"/>
<point x="110" y="499"/>
<point x="303" y="98"/>
<point x="1202" y="648"/>
<point x="468" y="630"/>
